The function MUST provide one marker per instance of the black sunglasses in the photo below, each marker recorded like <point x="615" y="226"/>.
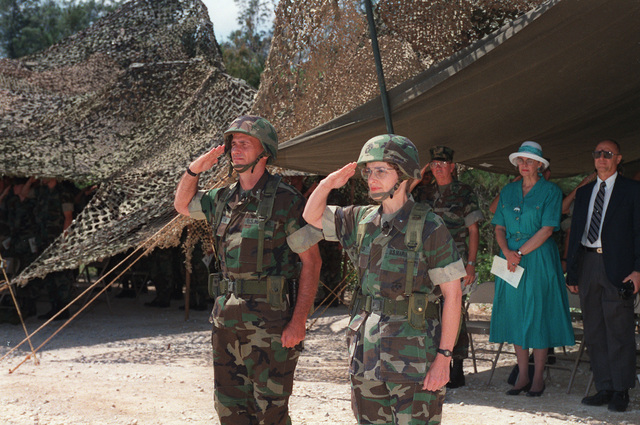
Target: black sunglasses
<point x="606" y="154"/>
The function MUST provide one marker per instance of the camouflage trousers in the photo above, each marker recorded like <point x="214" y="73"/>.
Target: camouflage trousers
<point x="253" y="376"/>
<point x="388" y="403"/>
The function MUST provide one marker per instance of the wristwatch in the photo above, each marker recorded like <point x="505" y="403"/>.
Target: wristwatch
<point x="520" y="253"/>
<point x="446" y="353"/>
<point x="471" y="263"/>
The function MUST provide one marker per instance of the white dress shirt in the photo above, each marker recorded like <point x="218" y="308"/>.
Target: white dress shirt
<point x="607" y="195"/>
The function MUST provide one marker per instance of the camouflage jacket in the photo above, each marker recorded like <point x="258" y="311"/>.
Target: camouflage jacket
<point x="457" y="204"/>
<point x="382" y="347"/>
<point x="52" y="204"/>
<point x="22" y="224"/>
<point x="237" y="244"/>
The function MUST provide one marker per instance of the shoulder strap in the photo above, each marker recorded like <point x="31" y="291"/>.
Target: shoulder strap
<point x="413" y="240"/>
<point x="265" y="209"/>
<point x="225" y="195"/>
<point x="362" y="226"/>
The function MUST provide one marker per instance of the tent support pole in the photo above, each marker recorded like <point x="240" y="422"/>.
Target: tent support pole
<point x="378" y="60"/>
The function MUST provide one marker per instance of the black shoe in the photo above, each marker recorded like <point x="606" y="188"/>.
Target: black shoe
<point x="598" y="399"/>
<point x="619" y="401"/>
<point x="517" y="391"/>
<point x="536" y="393"/>
<point x="456" y="374"/>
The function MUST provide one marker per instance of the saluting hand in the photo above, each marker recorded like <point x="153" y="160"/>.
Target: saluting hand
<point x="340" y="177"/>
<point x="208" y="160"/>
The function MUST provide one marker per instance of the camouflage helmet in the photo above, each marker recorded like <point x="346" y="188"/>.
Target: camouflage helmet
<point x="257" y="127"/>
<point x="393" y="149"/>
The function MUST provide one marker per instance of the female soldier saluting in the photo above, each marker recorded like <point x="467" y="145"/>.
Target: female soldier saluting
<point x="399" y="343"/>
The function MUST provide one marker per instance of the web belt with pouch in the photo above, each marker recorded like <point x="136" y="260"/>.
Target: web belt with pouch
<point x="271" y="287"/>
<point x="417" y="308"/>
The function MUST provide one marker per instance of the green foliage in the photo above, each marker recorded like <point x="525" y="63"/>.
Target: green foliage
<point x="487" y="186"/>
<point x="29" y="26"/>
<point x="245" y="53"/>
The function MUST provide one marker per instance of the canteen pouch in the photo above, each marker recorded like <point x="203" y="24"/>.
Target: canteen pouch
<point x="214" y="285"/>
<point x="417" y="311"/>
<point x="275" y="292"/>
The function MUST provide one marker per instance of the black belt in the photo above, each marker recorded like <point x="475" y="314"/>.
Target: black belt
<point x="598" y="250"/>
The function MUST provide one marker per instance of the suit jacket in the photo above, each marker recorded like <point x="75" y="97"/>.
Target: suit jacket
<point x="620" y="233"/>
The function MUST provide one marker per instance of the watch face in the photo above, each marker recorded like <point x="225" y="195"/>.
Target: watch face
<point x="445" y="353"/>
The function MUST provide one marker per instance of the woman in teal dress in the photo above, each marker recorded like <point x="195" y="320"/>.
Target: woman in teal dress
<point x="535" y="315"/>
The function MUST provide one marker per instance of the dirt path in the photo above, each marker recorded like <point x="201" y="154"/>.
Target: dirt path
<point x="139" y="365"/>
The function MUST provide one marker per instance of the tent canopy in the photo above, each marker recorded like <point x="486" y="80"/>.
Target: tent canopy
<point x="566" y="75"/>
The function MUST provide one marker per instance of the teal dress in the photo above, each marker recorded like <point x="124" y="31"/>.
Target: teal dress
<point x="536" y="314"/>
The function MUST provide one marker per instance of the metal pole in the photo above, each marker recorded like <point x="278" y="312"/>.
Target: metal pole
<point x="376" y="55"/>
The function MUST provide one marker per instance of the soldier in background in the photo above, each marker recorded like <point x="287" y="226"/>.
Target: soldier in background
<point x="399" y="343"/>
<point x="260" y="239"/>
<point x="22" y="243"/>
<point x="457" y="204"/>
<point x="54" y="215"/>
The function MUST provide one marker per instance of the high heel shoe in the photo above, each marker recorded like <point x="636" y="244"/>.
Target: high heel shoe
<point x="536" y="393"/>
<point x="517" y="391"/>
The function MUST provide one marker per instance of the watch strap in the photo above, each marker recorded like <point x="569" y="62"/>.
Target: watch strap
<point x="445" y="353"/>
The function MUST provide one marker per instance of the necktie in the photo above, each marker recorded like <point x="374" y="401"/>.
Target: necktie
<point x="596" y="216"/>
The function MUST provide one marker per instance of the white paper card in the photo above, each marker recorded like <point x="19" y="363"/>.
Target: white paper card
<point x="499" y="268"/>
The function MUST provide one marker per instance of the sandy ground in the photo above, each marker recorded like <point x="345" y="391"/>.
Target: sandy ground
<point x="139" y="365"/>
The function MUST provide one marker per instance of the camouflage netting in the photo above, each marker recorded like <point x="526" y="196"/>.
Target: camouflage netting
<point x="321" y="62"/>
<point x="130" y="101"/>
<point x="127" y="103"/>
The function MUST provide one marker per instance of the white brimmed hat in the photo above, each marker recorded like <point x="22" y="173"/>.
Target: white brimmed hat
<point x="529" y="150"/>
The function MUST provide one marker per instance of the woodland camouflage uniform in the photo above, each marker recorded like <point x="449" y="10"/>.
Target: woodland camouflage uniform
<point x="51" y="206"/>
<point x="253" y="372"/>
<point x="457" y="204"/>
<point x="390" y="352"/>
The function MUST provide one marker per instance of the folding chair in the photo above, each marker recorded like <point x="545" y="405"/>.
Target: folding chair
<point x="482" y="295"/>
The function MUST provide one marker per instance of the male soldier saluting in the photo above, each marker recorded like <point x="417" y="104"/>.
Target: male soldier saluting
<point x="457" y="204"/>
<point x="260" y="237"/>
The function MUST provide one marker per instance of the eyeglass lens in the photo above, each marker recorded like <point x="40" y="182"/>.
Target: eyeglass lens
<point x="527" y="161"/>
<point x="377" y="173"/>
<point x="606" y="154"/>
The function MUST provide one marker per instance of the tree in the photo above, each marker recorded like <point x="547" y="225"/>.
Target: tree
<point x="245" y="53"/>
<point x="28" y="26"/>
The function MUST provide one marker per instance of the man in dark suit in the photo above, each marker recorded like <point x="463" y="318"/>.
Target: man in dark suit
<point x="604" y="253"/>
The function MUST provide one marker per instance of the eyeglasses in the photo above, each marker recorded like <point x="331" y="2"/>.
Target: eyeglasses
<point x="378" y="173"/>
<point x="527" y="161"/>
<point x="438" y="164"/>
<point x="606" y="154"/>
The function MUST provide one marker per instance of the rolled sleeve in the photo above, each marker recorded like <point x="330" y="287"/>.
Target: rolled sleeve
<point x="448" y="273"/>
<point x="473" y="217"/>
<point x="195" y="206"/>
<point x="304" y="238"/>
<point x="329" y="224"/>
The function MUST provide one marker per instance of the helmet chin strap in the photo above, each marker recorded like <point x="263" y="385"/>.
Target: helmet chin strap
<point x="242" y="168"/>
<point x="380" y="197"/>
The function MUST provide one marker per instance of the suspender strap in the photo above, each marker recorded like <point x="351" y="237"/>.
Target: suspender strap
<point x="224" y="196"/>
<point x="413" y="241"/>
<point x="265" y="208"/>
<point x="361" y="231"/>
